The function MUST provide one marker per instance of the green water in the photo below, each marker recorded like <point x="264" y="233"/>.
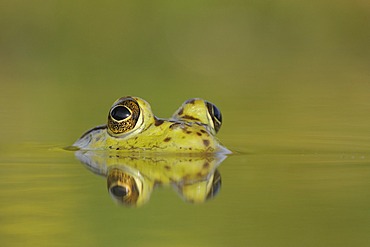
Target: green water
<point x="292" y="81"/>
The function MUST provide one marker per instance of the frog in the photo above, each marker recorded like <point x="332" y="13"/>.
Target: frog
<point x="132" y="127"/>
<point x="131" y="179"/>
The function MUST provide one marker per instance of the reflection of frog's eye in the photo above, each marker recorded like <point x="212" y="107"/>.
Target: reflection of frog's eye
<point x="120" y="112"/>
<point x="123" y="116"/>
<point x="216" y="185"/>
<point x="122" y="187"/>
<point x="125" y="193"/>
<point x="215" y="113"/>
<point x="119" y="191"/>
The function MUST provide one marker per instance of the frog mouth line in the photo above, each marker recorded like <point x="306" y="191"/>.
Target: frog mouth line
<point x="100" y="127"/>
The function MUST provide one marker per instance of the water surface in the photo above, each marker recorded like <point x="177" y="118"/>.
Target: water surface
<point x="290" y="78"/>
<point x="265" y="200"/>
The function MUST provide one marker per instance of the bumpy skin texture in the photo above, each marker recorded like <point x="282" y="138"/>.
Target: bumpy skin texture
<point x="192" y="128"/>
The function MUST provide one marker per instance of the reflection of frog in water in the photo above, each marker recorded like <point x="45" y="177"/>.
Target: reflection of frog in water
<point x="131" y="179"/>
<point x="132" y="127"/>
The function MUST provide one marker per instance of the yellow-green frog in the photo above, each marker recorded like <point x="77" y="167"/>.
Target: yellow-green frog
<point x="133" y="127"/>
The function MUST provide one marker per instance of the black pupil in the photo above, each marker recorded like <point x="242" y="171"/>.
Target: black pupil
<point x="120" y="113"/>
<point x="119" y="191"/>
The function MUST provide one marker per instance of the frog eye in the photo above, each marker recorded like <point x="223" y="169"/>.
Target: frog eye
<point x="120" y="113"/>
<point x="123" y="116"/>
<point x="216" y="116"/>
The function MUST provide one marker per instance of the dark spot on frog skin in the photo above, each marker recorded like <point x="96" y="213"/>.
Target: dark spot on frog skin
<point x="117" y="148"/>
<point x="190" y="118"/>
<point x="206" y="143"/>
<point x="199" y="134"/>
<point x="203" y="131"/>
<point x="188" y="132"/>
<point x="181" y="111"/>
<point x="205" y="165"/>
<point x="167" y="167"/>
<point x="158" y="122"/>
<point x="157" y="183"/>
<point x="190" y="101"/>
<point x="174" y="125"/>
<point x="167" y="139"/>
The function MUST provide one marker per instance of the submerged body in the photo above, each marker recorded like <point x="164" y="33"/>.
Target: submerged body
<point x="133" y="127"/>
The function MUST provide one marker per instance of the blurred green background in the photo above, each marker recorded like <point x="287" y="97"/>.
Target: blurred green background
<point x="292" y="79"/>
<point x="295" y="65"/>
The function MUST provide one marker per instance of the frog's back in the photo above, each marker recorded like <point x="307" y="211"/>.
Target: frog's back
<point x="182" y="136"/>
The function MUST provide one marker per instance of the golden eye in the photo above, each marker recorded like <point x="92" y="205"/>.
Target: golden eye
<point x="215" y="113"/>
<point x="123" y="116"/>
